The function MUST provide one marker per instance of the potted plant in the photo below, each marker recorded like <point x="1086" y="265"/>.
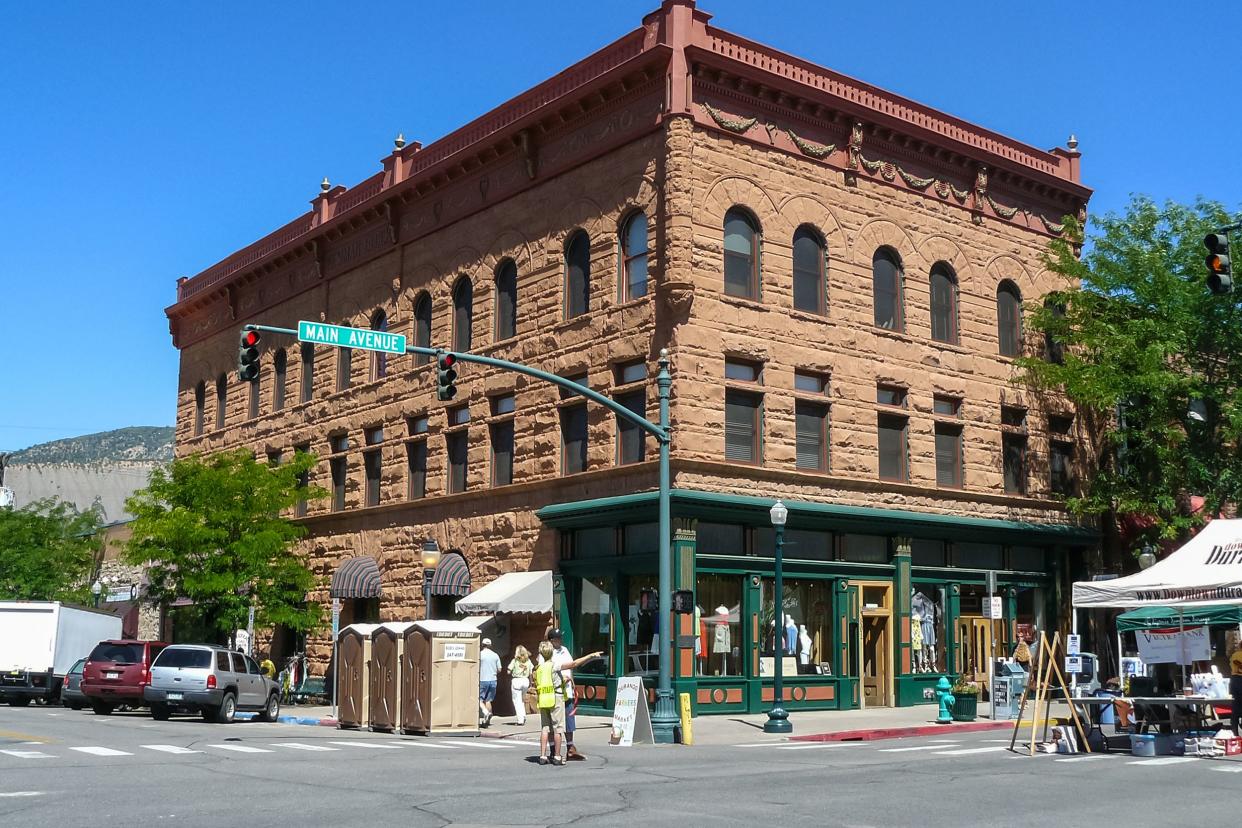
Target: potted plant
<point x="965" y="700"/>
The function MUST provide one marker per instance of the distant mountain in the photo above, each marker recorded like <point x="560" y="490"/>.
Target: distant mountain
<point x="134" y="444"/>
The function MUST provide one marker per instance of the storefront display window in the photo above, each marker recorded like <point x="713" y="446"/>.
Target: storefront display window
<point x="1027" y="559"/>
<point x="719" y="539"/>
<point x="865" y="548"/>
<point x="973" y="633"/>
<point x="595" y="543"/>
<point x="924" y="552"/>
<point x="1030" y="618"/>
<point x="805" y="626"/>
<point x="641" y="539"/>
<point x="978" y="556"/>
<point x="927" y="631"/>
<point x="594" y="623"/>
<point x="799" y="544"/>
<point x="717" y="619"/>
<point x="642" y="645"/>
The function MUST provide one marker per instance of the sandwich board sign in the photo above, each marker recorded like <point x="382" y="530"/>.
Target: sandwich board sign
<point x="631" y="719"/>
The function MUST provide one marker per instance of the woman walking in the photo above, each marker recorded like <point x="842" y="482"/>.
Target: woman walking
<point x="520" y="670"/>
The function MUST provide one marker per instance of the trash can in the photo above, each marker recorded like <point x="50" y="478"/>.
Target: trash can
<point x="1107" y="714"/>
<point x="387" y="647"/>
<point x="440" y="679"/>
<point x="353" y="662"/>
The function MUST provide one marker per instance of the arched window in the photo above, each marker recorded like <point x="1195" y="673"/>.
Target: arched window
<point x="422" y="326"/>
<point x="463" y="314"/>
<point x="577" y="275"/>
<point x="280" y="370"/>
<point x="1009" y="318"/>
<point x="379" y="359"/>
<point x="200" y="402"/>
<point x="506" y="300"/>
<point x="886" y="276"/>
<point x="307" y="355"/>
<point x="634" y="258"/>
<point x="222" y="395"/>
<point x="808" y="270"/>
<point x="741" y="254"/>
<point x="1054" y="350"/>
<point x="943" y="303"/>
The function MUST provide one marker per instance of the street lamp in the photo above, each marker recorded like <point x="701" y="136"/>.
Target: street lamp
<point x="431" y="560"/>
<point x="778" y="718"/>
<point x="96" y="588"/>
<point x="1147" y="557"/>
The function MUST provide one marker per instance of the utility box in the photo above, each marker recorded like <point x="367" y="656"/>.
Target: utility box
<point x="387" y="648"/>
<point x="1008" y="684"/>
<point x="440" y="679"/>
<point x="353" y="682"/>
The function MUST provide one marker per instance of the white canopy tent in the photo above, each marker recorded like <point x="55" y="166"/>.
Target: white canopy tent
<point x="511" y="592"/>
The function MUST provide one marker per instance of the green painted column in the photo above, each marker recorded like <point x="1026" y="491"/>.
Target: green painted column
<point x="1009" y="635"/>
<point x="560" y="610"/>
<point x="901" y="606"/>
<point x="684" y="545"/>
<point x="953" y="608"/>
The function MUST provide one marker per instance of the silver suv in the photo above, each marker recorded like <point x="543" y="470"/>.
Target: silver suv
<point x="215" y="681"/>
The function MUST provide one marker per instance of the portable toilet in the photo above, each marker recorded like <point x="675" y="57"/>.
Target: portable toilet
<point x="440" y="679"/>
<point x="353" y="663"/>
<point x="387" y="648"/>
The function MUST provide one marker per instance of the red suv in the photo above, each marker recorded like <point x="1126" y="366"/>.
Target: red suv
<point x="116" y="673"/>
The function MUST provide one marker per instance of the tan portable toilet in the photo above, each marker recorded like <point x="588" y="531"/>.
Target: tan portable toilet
<point x="353" y="663"/>
<point x="387" y="648"/>
<point x="440" y="679"/>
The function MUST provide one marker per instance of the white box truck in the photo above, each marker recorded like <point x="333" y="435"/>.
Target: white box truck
<point x="40" y="641"/>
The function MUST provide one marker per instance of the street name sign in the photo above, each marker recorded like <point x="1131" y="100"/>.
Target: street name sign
<point x="343" y="337"/>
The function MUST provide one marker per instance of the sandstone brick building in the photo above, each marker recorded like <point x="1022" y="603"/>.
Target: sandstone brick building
<point x="839" y="275"/>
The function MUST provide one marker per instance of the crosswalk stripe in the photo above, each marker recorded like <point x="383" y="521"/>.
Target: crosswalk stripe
<point x="761" y="744"/>
<point x="27" y="754"/>
<point x="302" y="746"/>
<point x="379" y="745"/>
<point x="475" y="743"/>
<point x="964" y="751"/>
<point x="920" y="747"/>
<point x="1233" y="769"/>
<point x="101" y="751"/>
<point x="815" y="745"/>
<point x="1090" y="757"/>
<point x="241" y="748"/>
<point x="520" y="742"/>
<point x="1165" y="760"/>
<point x="169" y="749"/>
<point x="416" y="743"/>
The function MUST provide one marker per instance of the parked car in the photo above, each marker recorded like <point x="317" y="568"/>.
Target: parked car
<point x="116" y="672"/>
<point x="71" y="691"/>
<point x="211" y="680"/>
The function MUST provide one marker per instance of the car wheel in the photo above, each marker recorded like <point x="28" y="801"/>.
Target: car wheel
<point x="271" y="710"/>
<point x="20" y="701"/>
<point x="228" y="707"/>
<point x="160" y="712"/>
<point x="76" y="706"/>
<point x="101" y="708"/>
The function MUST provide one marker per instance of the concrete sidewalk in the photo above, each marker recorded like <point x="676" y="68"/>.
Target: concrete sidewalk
<point x="823" y="725"/>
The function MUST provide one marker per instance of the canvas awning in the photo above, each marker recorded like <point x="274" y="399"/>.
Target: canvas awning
<point x="452" y="576"/>
<point x="1206" y="571"/>
<point x="356" y="578"/>
<point x="511" y="592"/>
<point x="1159" y="618"/>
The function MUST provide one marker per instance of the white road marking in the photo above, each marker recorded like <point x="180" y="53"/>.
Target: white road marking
<point x="169" y="749"/>
<point x="1088" y="758"/>
<point x="1166" y="760"/>
<point x="241" y="748"/>
<point x="920" y="747"/>
<point x="377" y="745"/>
<point x="1233" y="769"/>
<point x="27" y="754"/>
<point x="413" y="743"/>
<point x="34" y="743"/>
<point x="964" y="751"/>
<point x="472" y="743"/>
<point x="53" y="714"/>
<point x="520" y="742"/>
<point x="815" y="745"/>
<point x="21" y="793"/>
<point x="750" y="744"/>
<point x="101" y="751"/>
<point x="301" y="746"/>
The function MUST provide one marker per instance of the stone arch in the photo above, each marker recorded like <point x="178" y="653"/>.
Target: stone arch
<point x="1008" y="266"/>
<point x="738" y="191"/>
<point x="939" y="248"/>
<point x="882" y="232"/>
<point x="581" y="213"/>
<point x="801" y="209"/>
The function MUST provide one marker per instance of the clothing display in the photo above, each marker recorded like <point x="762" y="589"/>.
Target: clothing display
<point x="924" y="615"/>
<point x="722" y="639"/>
<point x="791" y="635"/>
<point x="804" y="646"/>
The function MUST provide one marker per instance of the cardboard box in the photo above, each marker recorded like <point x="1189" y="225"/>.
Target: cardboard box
<point x="1230" y="746"/>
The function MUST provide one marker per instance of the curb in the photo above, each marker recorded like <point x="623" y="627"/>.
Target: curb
<point x="874" y="734"/>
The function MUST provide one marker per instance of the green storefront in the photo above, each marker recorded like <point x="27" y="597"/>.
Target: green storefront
<point x="878" y="603"/>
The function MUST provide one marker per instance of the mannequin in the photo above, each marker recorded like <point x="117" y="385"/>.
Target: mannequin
<point x="804" y="649"/>
<point x="926" y="609"/>
<point x="722" y="639"/>
<point x="916" y="642"/>
<point x="791" y="635"/>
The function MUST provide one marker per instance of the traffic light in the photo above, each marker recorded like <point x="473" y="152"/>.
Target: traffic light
<point x="648" y="601"/>
<point x="248" y="356"/>
<point x="1220" y="273"/>
<point x="683" y="601"/>
<point x="446" y="376"/>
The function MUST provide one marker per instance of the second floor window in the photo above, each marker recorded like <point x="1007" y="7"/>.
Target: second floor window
<point x="808" y="271"/>
<point x="307" y="354"/>
<point x="372" y="462"/>
<point x="200" y="403"/>
<point x="379" y="359"/>
<point x="943" y="304"/>
<point x="886" y="290"/>
<point x="222" y="399"/>
<point x="299" y="506"/>
<point x="422" y="326"/>
<point x="741" y="254"/>
<point x="502" y="452"/>
<point x="506" y="300"/>
<point x="573" y="439"/>
<point x="280" y="371"/>
<point x="743" y="419"/>
<point x="1013" y="460"/>
<point x="631" y="439"/>
<point x="1061" y="467"/>
<point x="463" y="314"/>
<point x="255" y="391"/>
<point x="344" y="368"/>
<point x="634" y="258"/>
<point x="577" y="275"/>
<point x="1009" y="318"/>
<point x="458" y="445"/>
<point x="893" y="450"/>
<point x="811" y="426"/>
<point x="948" y="455"/>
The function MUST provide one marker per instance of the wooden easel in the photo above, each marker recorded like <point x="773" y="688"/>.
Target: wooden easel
<point x="1049" y="653"/>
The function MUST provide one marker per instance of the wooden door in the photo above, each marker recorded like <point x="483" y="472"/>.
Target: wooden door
<point x="972" y="656"/>
<point x="876" y="661"/>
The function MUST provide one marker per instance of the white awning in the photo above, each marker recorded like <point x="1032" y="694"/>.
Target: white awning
<point x="1206" y="570"/>
<point x="511" y="592"/>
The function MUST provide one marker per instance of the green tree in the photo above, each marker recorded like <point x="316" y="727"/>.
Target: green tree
<point x="213" y="529"/>
<point x="47" y="551"/>
<point x="1153" y="362"/>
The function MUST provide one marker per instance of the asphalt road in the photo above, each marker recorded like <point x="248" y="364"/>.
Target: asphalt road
<point x="61" y="768"/>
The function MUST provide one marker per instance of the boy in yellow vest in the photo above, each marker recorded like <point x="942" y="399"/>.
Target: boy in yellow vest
<point x="551" y="689"/>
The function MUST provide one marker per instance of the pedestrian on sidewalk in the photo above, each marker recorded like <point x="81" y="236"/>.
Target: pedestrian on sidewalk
<point x="551" y="705"/>
<point x="520" y="670"/>
<point x="564" y="664"/>
<point x="489" y="669"/>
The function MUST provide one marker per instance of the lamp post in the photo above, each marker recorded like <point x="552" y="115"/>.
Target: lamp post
<point x="1147" y="557"/>
<point x="431" y="560"/>
<point x="778" y="718"/>
<point x="96" y="588"/>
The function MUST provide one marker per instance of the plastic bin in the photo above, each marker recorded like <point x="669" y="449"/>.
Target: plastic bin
<point x="1143" y="744"/>
<point x="1108" y="713"/>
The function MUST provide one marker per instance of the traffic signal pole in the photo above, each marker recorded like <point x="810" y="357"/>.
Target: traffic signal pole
<point x="664" y="717"/>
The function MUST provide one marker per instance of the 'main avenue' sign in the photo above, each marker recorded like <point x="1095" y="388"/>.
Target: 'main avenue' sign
<point x="342" y="337"/>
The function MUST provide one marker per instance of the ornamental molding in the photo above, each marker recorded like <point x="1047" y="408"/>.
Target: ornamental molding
<point x="738" y="125"/>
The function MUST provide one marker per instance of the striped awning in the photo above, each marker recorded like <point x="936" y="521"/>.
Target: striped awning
<point x="356" y="578"/>
<point x="452" y="576"/>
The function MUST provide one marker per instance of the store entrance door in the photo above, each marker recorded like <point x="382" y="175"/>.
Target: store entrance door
<point x="972" y="657"/>
<point x="876" y="661"/>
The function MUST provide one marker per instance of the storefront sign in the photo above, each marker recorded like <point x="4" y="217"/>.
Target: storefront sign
<point x="1172" y="647"/>
<point x="631" y="720"/>
<point x="1073" y="644"/>
<point x="454" y="652"/>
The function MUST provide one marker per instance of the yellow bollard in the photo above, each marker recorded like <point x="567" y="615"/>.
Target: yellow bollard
<point x="687" y="729"/>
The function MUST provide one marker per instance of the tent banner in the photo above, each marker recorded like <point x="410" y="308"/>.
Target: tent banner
<point x="1174" y="647"/>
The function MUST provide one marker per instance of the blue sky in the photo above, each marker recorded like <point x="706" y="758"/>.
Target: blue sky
<point x="143" y="141"/>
